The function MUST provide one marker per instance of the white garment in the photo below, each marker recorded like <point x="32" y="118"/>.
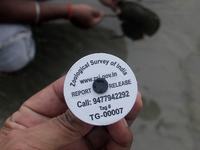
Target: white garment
<point x="17" y="48"/>
<point x="10" y="33"/>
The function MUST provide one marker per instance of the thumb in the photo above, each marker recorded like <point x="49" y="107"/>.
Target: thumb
<point x="98" y="15"/>
<point x="58" y="132"/>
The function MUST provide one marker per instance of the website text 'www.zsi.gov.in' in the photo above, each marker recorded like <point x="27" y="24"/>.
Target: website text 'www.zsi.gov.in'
<point x="109" y="75"/>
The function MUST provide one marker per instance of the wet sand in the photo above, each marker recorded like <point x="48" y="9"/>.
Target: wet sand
<point x="166" y="66"/>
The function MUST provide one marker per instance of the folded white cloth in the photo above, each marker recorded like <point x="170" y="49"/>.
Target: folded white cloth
<point x="17" y="47"/>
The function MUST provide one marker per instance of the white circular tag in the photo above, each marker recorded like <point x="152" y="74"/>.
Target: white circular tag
<point x="100" y="89"/>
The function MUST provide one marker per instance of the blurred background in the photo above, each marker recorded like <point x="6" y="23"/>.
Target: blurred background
<point x="166" y="65"/>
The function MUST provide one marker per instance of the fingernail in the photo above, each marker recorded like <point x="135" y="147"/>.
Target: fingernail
<point x="117" y="11"/>
<point x="125" y="122"/>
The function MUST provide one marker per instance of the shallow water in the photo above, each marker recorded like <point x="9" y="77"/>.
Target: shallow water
<point x="166" y="66"/>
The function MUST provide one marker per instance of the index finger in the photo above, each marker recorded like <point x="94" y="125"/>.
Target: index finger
<point x="131" y="116"/>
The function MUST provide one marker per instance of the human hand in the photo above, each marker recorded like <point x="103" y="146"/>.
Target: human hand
<point x="112" y="4"/>
<point x="45" y="122"/>
<point x="85" y="16"/>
